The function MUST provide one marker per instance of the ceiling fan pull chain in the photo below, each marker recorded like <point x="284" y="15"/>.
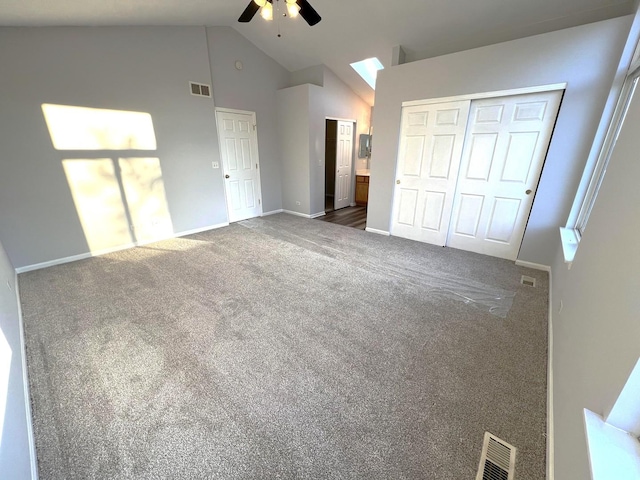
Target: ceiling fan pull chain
<point x="278" y="15"/>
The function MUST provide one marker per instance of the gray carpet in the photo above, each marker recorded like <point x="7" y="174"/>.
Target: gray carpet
<point x="284" y="348"/>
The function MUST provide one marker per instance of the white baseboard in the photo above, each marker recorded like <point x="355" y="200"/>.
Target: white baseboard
<point x="196" y="230"/>
<point x="550" y="418"/>
<point x="272" y="212"/>
<point x="73" y="258"/>
<point x="97" y="253"/>
<point x="379" y="232"/>
<point x="353" y="204"/>
<point x="25" y="380"/>
<point x="535" y="266"/>
<point x="297" y="214"/>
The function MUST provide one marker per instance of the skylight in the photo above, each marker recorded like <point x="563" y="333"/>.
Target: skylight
<point x="368" y="70"/>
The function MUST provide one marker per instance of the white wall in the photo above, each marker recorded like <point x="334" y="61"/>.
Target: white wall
<point x="145" y="69"/>
<point x="15" y="459"/>
<point x="313" y="75"/>
<point x="304" y="174"/>
<point x="317" y="135"/>
<point x="584" y="57"/>
<point x="334" y="100"/>
<point x="293" y="133"/>
<point x="132" y="69"/>
<point x="253" y="88"/>
<point x="597" y="333"/>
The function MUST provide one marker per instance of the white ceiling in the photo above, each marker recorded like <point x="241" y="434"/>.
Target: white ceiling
<point x="350" y="30"/>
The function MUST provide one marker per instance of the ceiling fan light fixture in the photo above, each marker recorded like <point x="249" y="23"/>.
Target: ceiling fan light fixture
<point x="292" y="9"/>
<point x="266" y="12"/>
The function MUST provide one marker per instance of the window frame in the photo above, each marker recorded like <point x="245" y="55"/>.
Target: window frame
<point x="620" y="95"/>
<point x="631" y="81"/>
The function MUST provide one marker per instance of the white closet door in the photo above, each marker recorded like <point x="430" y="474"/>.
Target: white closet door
<point x="431" y="143"/>
<point x="504" y="151"/>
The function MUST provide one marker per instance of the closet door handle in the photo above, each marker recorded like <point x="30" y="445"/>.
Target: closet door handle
<point x="226" y="176"/>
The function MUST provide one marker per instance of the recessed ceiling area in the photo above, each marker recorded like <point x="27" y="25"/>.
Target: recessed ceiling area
<point x="349" y="30"/>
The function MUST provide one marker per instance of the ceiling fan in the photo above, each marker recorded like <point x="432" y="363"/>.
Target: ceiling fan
<point x="294" y="7"/>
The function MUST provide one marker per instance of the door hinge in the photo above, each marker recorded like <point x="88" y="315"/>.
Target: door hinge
<point x="259" y="202"/>
<point x="256" y="166"/>
<point x="254" y="127"/>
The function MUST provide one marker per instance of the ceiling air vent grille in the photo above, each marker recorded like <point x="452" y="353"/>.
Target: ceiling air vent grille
<point x="498" y="459"/>
<point x="200" y="89"/>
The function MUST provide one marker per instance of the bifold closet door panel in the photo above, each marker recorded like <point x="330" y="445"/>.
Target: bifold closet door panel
<point x="429" y="153"/>
<point x="504" y="151"/>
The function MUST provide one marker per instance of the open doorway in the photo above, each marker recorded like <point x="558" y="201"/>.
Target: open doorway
<point x="330" y="150"/>
<point x="339" y="185"/>
<point x="339" y="140"/>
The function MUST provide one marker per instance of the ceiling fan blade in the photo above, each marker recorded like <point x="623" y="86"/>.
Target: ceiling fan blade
<point x="308" y="13"/>
<point x="249" y="12"/>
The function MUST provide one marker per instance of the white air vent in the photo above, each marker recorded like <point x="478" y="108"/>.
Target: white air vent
<point x="200" y="89"/>
<point x="498" y="459"/>
<point x="528" y="281"/>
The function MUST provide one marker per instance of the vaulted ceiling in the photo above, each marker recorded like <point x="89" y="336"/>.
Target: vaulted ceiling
<point x="350" y="30"/>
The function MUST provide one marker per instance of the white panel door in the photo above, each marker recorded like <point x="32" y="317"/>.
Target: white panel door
<point x="344" y="161"/>
<point x="504" y="151"/>
<point x="239" y="148"/>
<point x="431" y="141"/>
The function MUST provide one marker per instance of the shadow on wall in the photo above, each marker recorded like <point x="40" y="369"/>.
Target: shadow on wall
<point x="119" y="197"/>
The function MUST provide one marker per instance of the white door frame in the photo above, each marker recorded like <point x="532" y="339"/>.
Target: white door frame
<point x="255" y="135"/>
<point x="477" y="96"/>
<point x="352" y="190"/>
<point x="494" y="94"/>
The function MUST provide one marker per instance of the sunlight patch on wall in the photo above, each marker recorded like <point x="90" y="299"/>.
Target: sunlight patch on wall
<point x="145" y="197"/>
<point x="5" y="368"/>
<point x="99" y="202"/>
<point x="119" y="203"/>
<point x="120" y="198"/>
<point x="83" y="128"/>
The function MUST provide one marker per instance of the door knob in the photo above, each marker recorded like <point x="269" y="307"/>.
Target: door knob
<point x="226" y="176"/>
<point x="528" y="192"/>
<point x="398" y="182"/>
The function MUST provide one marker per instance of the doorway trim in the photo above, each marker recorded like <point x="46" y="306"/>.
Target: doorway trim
<point x="339" y="119"/>
<point x="494" y="94"/>
<point x="352" y="187"/>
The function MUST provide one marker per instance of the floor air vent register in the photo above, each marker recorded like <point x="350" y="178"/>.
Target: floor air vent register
<point x="528" y="281"/>
<point x="498" y="459"/>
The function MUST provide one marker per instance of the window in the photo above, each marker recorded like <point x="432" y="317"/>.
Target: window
<point x="612" y="439"/>
<point x="595" y="172"/>
<point x="597" y="177"/>
<point x="368" y="70"/>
